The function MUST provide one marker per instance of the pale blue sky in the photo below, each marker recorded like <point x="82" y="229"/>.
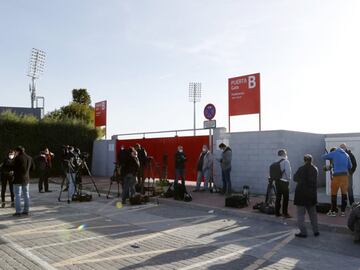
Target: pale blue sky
<point x="140" y="56"/>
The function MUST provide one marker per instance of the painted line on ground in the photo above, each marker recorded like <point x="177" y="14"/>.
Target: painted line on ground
<point x="29" y="255"/>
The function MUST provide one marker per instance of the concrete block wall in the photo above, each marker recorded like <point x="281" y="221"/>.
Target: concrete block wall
<point x="253" y="152"/>
<point x="103" y="158"/>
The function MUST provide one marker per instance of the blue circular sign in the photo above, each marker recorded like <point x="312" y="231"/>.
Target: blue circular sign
<point x="209" y="111"/>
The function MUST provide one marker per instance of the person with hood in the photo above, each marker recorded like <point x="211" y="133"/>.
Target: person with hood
<point x="225" y="162"/>
<point x="351" y="172"/>
<point x="306" y="196"/>
<point x="204" y="168"/>
<point x="341" y="165"/>
<point x="354" y="221"/>
<point x="7" y="177"/>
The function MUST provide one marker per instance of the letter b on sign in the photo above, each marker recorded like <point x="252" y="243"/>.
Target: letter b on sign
<point x="251" y="82"/>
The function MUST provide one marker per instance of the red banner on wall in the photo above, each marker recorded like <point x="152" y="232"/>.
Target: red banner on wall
<point x="163" y="150"/>
<point x="244" y="95"/>
<point x="100" y="113"/>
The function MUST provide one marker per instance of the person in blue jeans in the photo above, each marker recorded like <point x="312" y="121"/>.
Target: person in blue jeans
<point x="180" y="159"/>
<point x="23" y="164"/>
<point x="204" y="168"/>
<point x="225" y="162"/>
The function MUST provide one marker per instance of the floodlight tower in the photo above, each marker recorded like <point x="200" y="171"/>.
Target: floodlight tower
<point x="194" y="96"/>
<point x="36" y="68"/>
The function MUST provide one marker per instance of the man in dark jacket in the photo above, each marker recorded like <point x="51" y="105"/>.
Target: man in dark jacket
<point x="129" y="171"/>
<point x="225" y="163"/>
<point x="306" y="196"/>
<point x="22" y="166"/>
<point x="142" y="156"/>
<point x="180" y="159"/>
<point x="351" y="173"/>
<point x="44" y="161"/>
<point x="354" y="221"/>
<point x="7" y="177"/>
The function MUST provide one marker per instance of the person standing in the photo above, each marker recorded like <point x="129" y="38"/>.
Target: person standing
<point x="44" y="166"/>
<point x="351" y="172"/>
<point x="282" y="185"/>
<point x="180" y="159"/>
<point x="225" y="162"/>
<point x="354" y="221"/>
<point x="142" y="156"/>
<point x="341" y="166"/>
<point x="306" y="196"/>
<point x="204" y="168"/>
<point x="130" y="170"/>
<point x="7" y="177"/>
<point x="22" y="166"/>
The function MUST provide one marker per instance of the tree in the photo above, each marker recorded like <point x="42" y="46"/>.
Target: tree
<point x="81" y="96"/>
<point x="79" y="109"/>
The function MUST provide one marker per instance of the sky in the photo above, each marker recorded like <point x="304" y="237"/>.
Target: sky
<point x="140" y="56"/>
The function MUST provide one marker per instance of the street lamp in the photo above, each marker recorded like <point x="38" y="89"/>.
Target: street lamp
<point x="194" y="96"/>
<point x="36" y="68"/>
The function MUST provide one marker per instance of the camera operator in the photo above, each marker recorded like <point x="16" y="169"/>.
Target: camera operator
<point x="129" y="172"/>
<point x="69" y="167"/>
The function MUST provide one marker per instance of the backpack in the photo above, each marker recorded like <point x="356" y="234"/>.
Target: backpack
<point x="237" y="201"/>
<point x="179" y="192"/>
<point x="275" y="171"/>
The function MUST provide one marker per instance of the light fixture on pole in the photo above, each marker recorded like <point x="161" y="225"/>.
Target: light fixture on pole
<point x="194" y="96"/>
<point x="36" y="68"/>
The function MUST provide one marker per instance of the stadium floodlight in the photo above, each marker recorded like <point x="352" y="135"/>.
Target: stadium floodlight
<point x="36" y="68"/>
<point x="194" y="96"/>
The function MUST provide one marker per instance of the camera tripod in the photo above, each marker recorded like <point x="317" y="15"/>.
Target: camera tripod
<point x="73" y="178"/>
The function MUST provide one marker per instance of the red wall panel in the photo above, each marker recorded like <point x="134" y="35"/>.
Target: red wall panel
<point x="163" y="151"/>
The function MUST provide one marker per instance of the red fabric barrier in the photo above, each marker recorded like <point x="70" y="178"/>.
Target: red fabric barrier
<point x="163" y="152"/>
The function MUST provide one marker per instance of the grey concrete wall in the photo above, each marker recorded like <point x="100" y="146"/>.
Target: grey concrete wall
<point x="253" y="152"/>
<point x="103" y="158"/>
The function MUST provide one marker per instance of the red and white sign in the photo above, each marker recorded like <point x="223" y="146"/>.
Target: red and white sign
<point x="100" y="114"/>
<point x="244" y="95"/>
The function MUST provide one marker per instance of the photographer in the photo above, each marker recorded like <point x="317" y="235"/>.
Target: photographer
<point x="69" y="165"/>
<point x="129" y="172"/>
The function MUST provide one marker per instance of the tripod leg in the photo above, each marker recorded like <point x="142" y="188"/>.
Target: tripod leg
<point x="107" y="196"/>
<point x="92" y="179"/>
<point x="118" y="194"/>
<point x="61" y="188"/>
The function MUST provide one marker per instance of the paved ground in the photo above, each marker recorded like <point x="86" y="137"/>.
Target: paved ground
<point x="104" y="235"/>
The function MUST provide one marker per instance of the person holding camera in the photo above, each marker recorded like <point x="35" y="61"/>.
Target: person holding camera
<point x="129" y="172"/>
<point x="7" y="177"/>
<point x="23" y="164"/>
<point x="306" y="196"/>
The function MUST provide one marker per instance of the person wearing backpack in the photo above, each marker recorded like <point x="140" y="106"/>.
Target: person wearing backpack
<point x="306" y="196"/>
<point x="280" y="172"/>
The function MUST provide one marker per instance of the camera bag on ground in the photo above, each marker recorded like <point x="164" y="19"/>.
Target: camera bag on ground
<point x="187" y="197"/>
<point x="265" y="208"/>
<point x="179" y="192"/>
<point x="239" y="201"/>
<point x="323" y="207"/>
<point x="136" y="199"/>
<point x="169" y="193"/>
<point x="82" y="197"/>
